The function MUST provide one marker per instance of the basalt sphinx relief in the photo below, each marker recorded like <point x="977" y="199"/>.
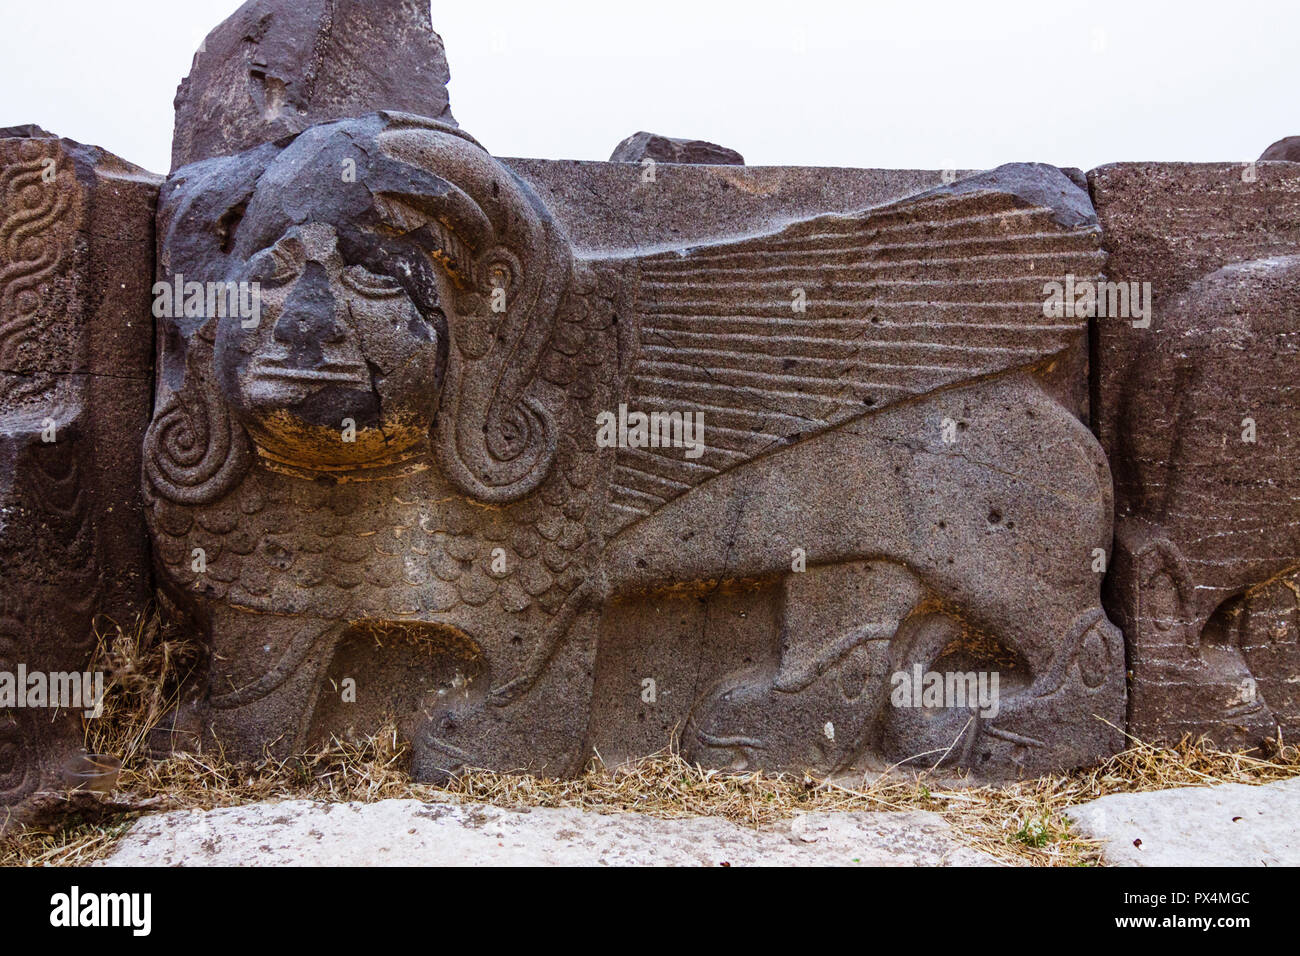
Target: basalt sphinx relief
<point x="392" y="474"/>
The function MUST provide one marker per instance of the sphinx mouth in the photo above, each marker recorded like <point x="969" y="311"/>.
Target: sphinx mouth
<point x="718" y="742"/>
<point x="334" y="373"/>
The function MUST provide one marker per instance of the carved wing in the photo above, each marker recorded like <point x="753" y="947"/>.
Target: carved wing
<point x="779" y="337"/>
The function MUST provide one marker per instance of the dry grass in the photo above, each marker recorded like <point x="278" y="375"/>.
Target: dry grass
<point x="1019" y="823"/>
<point x="146" y="667"/>
<point x="76" y="845"/>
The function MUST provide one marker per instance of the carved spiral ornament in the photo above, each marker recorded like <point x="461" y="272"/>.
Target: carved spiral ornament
<point x="32" y="253"/>
<point x="194" y="451"/>
<point x="521" y="437"/>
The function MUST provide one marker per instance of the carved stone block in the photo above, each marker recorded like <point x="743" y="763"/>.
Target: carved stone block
<point x="1199" y="413"/>
<point x="419" y="484"/>
<point x="76" y="344"/>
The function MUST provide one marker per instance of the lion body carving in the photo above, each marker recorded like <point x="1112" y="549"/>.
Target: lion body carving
<point x="393" y="478"/>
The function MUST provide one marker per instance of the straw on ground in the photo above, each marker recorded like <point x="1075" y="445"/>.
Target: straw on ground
<point x="1018" y="823"/>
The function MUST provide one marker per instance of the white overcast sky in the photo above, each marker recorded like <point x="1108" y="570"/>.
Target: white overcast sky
<point x="924" y="84"/>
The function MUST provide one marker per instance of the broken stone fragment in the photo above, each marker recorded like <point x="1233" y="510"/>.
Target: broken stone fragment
<point x="1287" y="148"/>
<point x="666" y="149"/>
<point x="276" y="67"/>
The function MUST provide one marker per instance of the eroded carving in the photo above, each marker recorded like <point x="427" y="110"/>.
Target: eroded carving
<point x="420" y="401"/>
<point x="75" y="246"/>
<point x="1199" y="416"/>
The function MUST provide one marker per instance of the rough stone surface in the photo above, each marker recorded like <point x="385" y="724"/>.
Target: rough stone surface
<point x="276" y="67"/>
<point x="411" y="833"/>
<point x="1227" y="825"/>
<point x="389" y="496"/>
<point x="1200" y="416"/>
<point x="391" y="493"/>
<point x="76" y="345"/>
<point x="883" y="396"/>
<point x="614" y="207"/>
<point x="665" y="149"/>
<point x="1287" y="148"/>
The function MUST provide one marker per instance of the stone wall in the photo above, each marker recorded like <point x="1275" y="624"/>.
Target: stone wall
<point x="807" y="468"/>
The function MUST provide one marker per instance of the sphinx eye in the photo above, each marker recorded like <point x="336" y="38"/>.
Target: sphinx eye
<point x="371" y="284"/>
<point x="273" y="266"/>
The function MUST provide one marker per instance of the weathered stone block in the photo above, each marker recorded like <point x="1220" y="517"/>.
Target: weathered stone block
<point x="76" y="344"/>
<point x="1287" y="149"/>
<point x="614" y="206"/>
<point x="667" y="149"/>
<point x="275" y="67"/>
<point x="1199" y="412"/>
<point x="412" y="480"/>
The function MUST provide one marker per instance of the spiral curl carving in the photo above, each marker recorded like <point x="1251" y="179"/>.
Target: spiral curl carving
<point x="194" y="451"/>
<point x="32" y="253"/>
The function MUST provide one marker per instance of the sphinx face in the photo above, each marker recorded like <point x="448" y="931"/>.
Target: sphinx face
<point x="342" y="369"/>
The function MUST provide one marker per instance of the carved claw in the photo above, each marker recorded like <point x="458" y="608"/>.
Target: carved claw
<point x="746" y="718"/>
<point x="721" y="730"/>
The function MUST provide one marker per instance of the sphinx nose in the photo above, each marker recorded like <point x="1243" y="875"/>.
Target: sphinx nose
<point x="309" y="320"/>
